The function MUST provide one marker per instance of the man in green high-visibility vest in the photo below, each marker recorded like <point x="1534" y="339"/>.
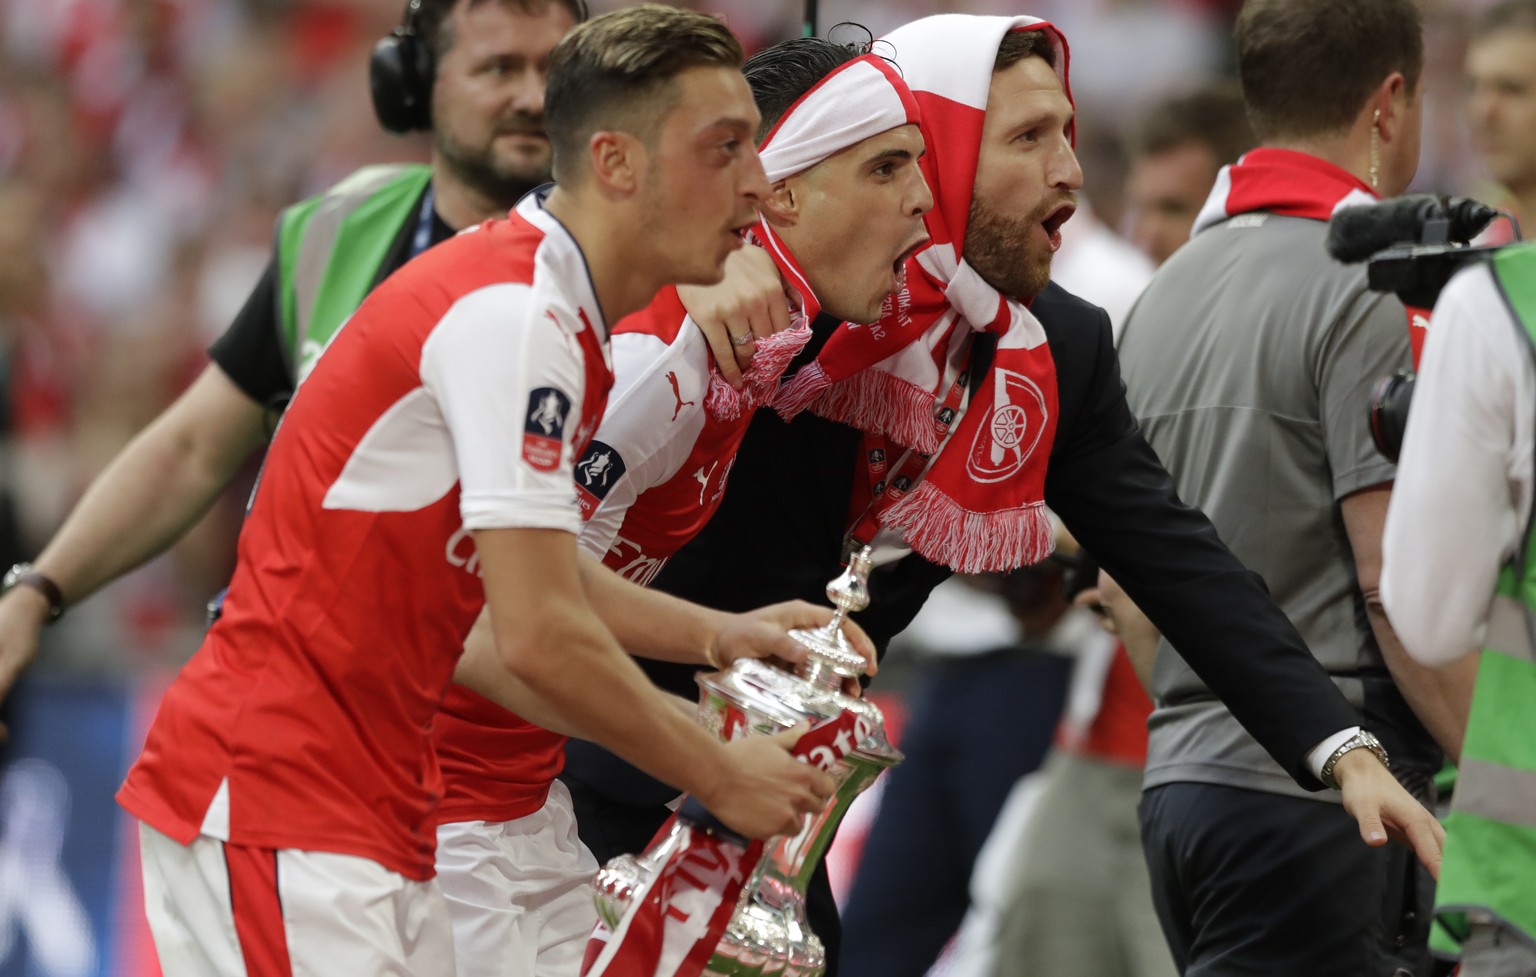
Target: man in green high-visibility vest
<point x="471" y="73"/>
<point x="1457" y="577"/>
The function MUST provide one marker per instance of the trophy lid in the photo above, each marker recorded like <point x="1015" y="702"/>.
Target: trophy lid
<point x="830" y="657"/>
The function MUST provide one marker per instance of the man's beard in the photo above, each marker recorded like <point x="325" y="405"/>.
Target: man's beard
<point x="501" y="182"/>
<point x="1004" y="253"/>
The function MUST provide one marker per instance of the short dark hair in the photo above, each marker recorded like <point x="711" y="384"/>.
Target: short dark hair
<point x="1021" y="43"/>
<point x="434" y="30"/>
<point x="1511" y="15"/>
<point x="613" y="72"/>
<point x="1307" y="66"/>
<point x="780" y="74"/>
<point x="1213" y="117"/>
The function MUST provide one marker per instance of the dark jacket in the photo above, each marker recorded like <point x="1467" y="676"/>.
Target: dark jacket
<point x="779" y="531"/>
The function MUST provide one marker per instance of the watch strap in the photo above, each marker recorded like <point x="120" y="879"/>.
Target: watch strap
<point x="44" y="585"/>
<point x="1361" y="740"/>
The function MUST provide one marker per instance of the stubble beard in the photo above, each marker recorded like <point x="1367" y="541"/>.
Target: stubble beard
<point x="502" y="183"/>
<point x="1004" y="252"/>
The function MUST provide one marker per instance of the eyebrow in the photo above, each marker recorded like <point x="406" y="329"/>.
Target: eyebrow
<point x="1047" y="116"/>
<point x="892" y="153"/>
<point x="733" y="122"/>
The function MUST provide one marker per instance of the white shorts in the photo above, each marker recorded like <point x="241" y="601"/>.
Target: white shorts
<point x="519" y="892"/>
<point x="219" y="910"/>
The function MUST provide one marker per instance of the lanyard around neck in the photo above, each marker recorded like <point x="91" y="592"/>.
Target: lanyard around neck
<point x="885" y="492"/>
<point x="424" y="221"/>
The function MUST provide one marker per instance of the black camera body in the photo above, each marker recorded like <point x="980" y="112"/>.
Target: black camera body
<point x="1416" y="273"/>
<point x="1413" y="245"/>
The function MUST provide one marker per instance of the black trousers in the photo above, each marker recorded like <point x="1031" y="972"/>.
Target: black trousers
<point x="1251" y="883"/>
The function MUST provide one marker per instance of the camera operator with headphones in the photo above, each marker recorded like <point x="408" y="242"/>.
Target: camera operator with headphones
<point x="1456" y="577"/>
<point x="475" y="78"/>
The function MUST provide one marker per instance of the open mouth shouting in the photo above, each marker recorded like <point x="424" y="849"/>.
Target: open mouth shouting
<point x="899" y="266"/>
<point x="1058" y="216"/>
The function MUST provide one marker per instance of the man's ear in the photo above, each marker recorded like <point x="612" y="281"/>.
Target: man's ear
<point x="618" y="161"/>
<point x="781" y="207"/>
<point x="1392" y="97"/>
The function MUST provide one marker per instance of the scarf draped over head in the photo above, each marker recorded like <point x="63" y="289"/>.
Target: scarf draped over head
<point x="980" y="506"/>
<point x="859" y="99"/>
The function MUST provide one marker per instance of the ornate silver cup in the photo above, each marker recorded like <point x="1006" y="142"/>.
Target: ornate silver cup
<point x="768" y="934"/>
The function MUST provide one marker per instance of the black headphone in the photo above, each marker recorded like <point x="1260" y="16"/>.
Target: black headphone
<point x="400" y="75"/>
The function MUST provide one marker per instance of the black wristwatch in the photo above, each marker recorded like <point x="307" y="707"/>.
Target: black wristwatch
<point x="22" y="575"/>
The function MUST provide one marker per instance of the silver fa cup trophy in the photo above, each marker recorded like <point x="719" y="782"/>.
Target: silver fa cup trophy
<point x="768" y="933"/>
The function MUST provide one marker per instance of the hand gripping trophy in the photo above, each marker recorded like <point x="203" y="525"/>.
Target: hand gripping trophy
<point x="696" y="871"/>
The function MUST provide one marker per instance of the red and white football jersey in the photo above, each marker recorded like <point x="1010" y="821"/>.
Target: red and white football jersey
<point x="647" y="483"/>
<point x="664" y="468"/>
<point x="458" y="397"/>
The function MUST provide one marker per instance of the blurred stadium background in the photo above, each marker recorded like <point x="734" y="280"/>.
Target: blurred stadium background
<point x="146" y="147"/>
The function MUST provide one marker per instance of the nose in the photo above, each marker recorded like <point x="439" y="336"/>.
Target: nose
<point x="528" y="93"/>
<point x="922" y="199"/>
<point x="1066" y="173"/>
<point x="753" y="183"/>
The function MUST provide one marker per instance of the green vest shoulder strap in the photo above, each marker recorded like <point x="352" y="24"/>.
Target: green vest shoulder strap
<point x="1515" y="269"/>
<point x="330" y="249"/>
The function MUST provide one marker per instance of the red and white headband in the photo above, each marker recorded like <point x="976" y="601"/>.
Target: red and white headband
<point x="861" y="98"/>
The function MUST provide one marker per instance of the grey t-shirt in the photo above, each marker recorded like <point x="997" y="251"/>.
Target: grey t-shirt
<point x="1250" y="361"/>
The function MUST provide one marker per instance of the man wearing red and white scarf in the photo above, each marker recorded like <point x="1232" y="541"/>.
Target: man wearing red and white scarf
<point x="1024" y="408"/>
<point x="1250" y="360"/>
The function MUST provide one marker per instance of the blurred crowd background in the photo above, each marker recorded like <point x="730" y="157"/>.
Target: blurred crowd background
<point x="146" y="147"/>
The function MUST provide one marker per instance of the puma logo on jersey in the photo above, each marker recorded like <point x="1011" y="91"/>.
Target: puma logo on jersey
<point x="677" y="393"/>
<point x="704" y="477"/>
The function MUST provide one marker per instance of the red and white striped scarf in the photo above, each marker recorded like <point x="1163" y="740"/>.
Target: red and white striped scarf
<point x="980" y="506"/>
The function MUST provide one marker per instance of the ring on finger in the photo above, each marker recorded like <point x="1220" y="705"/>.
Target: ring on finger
<point x="741" y="340"/>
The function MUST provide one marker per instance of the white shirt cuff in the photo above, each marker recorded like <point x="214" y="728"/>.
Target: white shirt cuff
<point x="1320" y="753"/>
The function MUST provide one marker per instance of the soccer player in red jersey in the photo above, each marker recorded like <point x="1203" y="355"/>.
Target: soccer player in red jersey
<point x="287" y="785"/>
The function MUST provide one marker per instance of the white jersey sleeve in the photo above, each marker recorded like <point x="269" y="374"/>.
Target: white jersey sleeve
<point x="509" y="384"/>
<point x="654" y="416"/>
<point x="1463" y="484"/>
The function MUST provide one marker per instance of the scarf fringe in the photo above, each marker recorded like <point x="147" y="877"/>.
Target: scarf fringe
<point x="884" y="403"/>
<point x="802" y="390"/>
<point x="870" y="400"/>
<point x="940" y="529"/>
<point x="761" y="379"/>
